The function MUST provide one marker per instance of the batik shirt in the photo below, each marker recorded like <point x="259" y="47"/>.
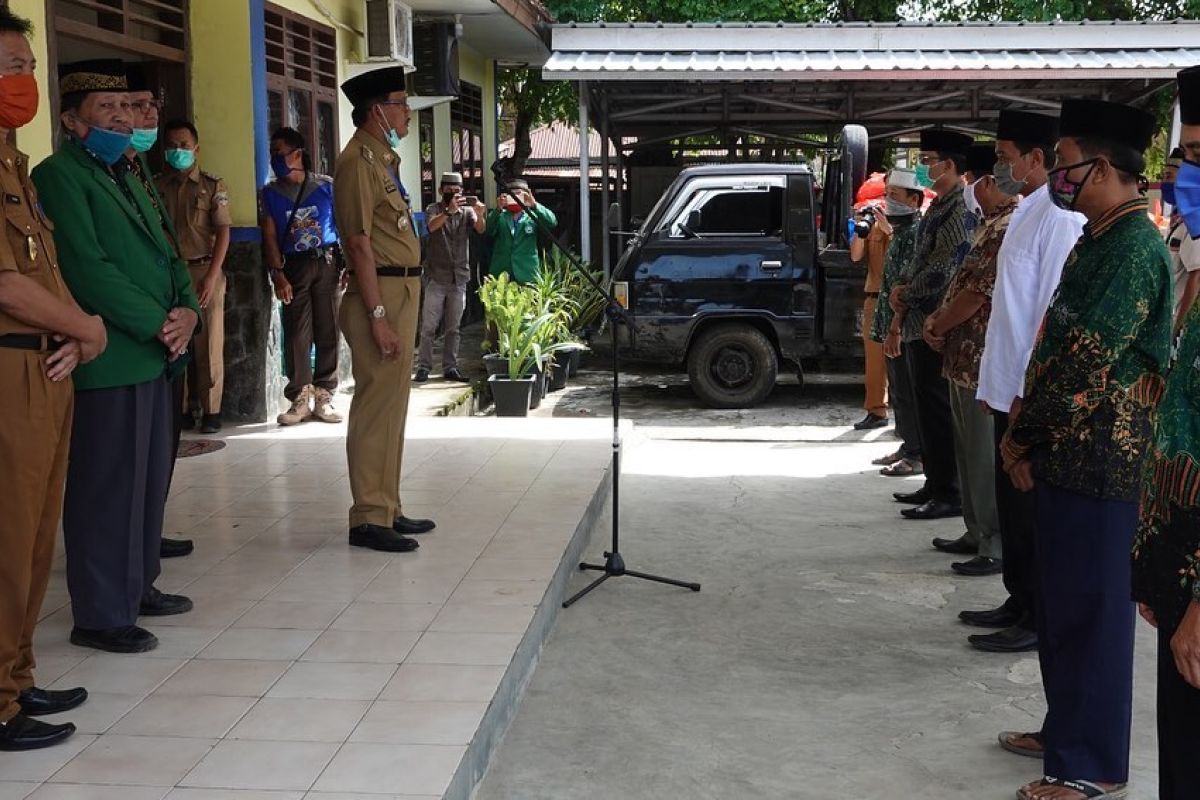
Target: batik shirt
<point x="1166" y="549"/>
<point x="1096" y="376"/>
<point x="964" y="344"/>
<point x="942" y="243"/>
<point x="895" y="265"/>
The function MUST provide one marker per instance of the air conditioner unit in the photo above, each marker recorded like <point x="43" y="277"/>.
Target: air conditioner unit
<point x="389" y="31"/>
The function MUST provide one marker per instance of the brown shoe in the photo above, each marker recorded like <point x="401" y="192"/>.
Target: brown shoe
<point x="301" y="408"/>
<point x="323" y="406"/>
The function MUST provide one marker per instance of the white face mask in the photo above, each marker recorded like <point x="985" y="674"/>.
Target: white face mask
<point x="972" y="202"/>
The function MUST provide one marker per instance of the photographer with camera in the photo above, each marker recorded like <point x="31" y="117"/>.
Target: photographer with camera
<point x="870" y="235"/>
<point x="447" y="272"/>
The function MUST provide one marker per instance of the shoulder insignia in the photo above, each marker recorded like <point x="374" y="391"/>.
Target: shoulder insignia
<point x="368" y="154"/>
<point x="221" y="198"/>
<point x="210" y="176"/>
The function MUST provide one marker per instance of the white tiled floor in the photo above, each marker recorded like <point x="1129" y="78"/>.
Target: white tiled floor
<point x="309" y="670"/>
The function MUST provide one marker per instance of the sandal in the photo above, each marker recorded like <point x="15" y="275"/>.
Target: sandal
<point x="888" y="460"/>
<point x="903" y="469"/>
<point x="1028" y="752"/>
<point x="1090" y="790"/>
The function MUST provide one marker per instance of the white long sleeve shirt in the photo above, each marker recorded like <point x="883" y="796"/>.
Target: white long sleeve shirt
<point x="1040" y="237"/>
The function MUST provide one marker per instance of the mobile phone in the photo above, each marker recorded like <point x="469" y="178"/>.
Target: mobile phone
<point x="468" y="199"/>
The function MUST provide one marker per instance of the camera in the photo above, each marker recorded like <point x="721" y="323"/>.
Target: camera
<point x="863" y="225"/>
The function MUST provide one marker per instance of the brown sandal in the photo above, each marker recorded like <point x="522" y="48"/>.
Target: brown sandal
<point x="903" y="468"/>
<point x="1006" y="738"/>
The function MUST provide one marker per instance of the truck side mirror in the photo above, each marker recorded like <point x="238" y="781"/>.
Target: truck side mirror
<point x="614" y="217"/>
<point x="692" y="225"/>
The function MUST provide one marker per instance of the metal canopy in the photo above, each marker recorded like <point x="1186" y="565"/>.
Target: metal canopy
<point x="798" y="83"/>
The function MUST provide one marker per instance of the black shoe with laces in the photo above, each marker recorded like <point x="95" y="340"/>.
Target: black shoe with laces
<point x="159" y="604"/>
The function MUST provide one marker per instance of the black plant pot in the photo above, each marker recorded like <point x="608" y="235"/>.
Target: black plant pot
<point x="573" y="357"/>
<point x="511" y="396"/>
<point x="539" y="388"/>
<point x="495" y="364"/>
<point x="558" y="372"/>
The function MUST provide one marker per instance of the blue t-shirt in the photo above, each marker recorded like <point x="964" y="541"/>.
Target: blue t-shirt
<point x="313" y="225"/>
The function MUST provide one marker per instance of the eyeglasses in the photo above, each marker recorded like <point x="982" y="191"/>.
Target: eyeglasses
<point x="144" y="106"/>
<point x="394" y="103"/>
<point x="929" y="161"/>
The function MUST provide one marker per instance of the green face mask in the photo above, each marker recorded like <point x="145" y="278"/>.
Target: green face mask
<point x="180" y="159"/>
<point x="143" y="139"/>
<point x="923" y="178"/>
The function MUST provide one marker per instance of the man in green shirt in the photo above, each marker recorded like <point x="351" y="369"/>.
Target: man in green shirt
<point x="513" y="233"/>
<point x="1082" y="437"/>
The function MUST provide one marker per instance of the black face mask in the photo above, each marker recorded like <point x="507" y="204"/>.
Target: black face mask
<point x="447" y="197"/>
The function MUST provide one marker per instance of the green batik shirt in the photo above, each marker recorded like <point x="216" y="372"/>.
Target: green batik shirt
<point x="1166" y="549"/>
<point x="1097" y="373"/>
<point x="942" y="242"/>
<point x="895" y="265"/>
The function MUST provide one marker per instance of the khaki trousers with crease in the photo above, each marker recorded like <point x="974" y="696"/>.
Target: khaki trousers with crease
<point x="206" y="370"/>
<point x="34" y="442"/>
<point x="876" y="376"/>
<point x="375" y="435"/>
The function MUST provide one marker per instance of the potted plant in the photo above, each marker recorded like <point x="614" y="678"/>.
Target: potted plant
<point x="523" y="341"/>
<point x="579" y="302"/>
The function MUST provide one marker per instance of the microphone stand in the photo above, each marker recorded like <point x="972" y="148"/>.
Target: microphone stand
<point x="614" y="564"/>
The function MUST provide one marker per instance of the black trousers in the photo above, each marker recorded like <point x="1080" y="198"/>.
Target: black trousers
<point x="900" y="398"/>
<point x="116" y="494"/>
<point x="1178" y="734"/>
<point x="934" y="420"/>
<point x="310" y="317"/>
<point x="1018" y="536"/>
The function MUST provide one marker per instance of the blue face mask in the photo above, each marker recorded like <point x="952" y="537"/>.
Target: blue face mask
<point x="1168" y="192"/>
<point x="1187" y="194"/>
<point x="108" y="146"/>
<point x="143" y="139"/>
<point x="923" y="178"/>
<point x="280" y="167"/>
<point x="180" y="158"/>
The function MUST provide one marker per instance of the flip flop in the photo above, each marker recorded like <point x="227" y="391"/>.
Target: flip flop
<point x="1021" y="751"/>
<point x="888" y="460"/>
<point x="1090" y="790"/>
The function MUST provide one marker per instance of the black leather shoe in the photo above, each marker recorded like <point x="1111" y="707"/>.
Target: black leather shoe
<point x="870" y="422"/>
<point x="962" y="546"/>
<point x="453" y="374"/>
<point x="919" y="497"/>
<point x="377" y="537"/>
<point x="210" y="423"/>
<point x="37" y="702"/>
<point x="188" y="423"/>
<point x="411" y="527"/>
<point x="933" y="509"/>
<point x="22" y="732"/>
<point x="175" y="548"/>
<point x="1009" y="640"/>
<point x="978" y="567"/>
<point x="130" y="639"/>
<point x="1002" y="617"/>
<point x="421" y="376"/>
<point x="158" y="604"/>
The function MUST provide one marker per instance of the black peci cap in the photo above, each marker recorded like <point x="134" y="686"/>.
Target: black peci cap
<point x="1027" y="127"/>
<point x="136" y="77"/>
<point x="943" y="141"/>
<point x="1111" y="122"/>
<point x="376" y="83"/>
<point x="981" y="159"/>
<point x="1189" y="95"/>
<point x="96" y="75"/>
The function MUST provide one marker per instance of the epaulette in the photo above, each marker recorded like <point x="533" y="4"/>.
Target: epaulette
<point x="368" y="154"/>
<point x="209" y="175"/>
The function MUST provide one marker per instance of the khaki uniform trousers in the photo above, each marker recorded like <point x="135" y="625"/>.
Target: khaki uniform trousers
<point x="35" y="439"/>
<point x="206" y="370"/>
<point x="876" y="365"/>
<point x="379" y="410"/>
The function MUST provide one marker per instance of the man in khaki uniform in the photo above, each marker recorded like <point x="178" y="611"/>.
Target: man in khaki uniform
<point x="198" y="206"/>
<point x="43" y="336"/>
<point x="379" y="311"/>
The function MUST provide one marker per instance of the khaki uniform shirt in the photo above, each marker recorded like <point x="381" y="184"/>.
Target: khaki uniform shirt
<point x="197" y="203"/>
<point x="876" y="250"/>
<point x="27" y="244"/>
<point x="367" y="199"/>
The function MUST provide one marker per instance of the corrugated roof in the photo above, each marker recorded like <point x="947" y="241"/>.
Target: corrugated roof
<point x="559" y="144"/>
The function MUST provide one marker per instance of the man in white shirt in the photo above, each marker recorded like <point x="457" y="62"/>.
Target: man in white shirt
<point x="1039" y="239"/>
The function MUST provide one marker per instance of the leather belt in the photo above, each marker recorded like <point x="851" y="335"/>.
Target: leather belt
<point x="316" y="253"/>
<point x="873" y="294"/>
<point x="37" y="342"/>
<point x="398" y="272"/>
<point x="195" y="262"/>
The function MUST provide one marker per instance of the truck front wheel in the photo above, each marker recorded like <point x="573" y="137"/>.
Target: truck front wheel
<point x="732" y="366"/>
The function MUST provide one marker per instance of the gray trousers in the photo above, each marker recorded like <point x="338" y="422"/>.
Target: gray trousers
<point x="444" y="302"/>
<point x="121" y="457"/>
<point x="904" y="407"/>
<point x="973" y="443"/>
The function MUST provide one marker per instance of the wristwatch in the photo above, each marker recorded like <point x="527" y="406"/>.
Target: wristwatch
<point x="378" y="312"/>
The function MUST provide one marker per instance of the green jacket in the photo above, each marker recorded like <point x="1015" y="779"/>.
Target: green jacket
<point x="515" y="247"/>
<point x="117" y="262"/>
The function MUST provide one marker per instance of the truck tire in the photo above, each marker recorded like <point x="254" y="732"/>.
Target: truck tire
<point x="732" y="366"/>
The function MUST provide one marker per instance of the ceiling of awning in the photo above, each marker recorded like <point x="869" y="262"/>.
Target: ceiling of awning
<point x="805" y="82"/>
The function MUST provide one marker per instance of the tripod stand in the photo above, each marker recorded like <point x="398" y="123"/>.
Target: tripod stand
<point x="614" y="563"/>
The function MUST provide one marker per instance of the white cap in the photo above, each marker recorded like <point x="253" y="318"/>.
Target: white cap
<point x="904" y="178"/>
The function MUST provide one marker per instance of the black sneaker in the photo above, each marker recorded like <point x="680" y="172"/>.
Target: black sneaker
<point x="130" y="639"/>
<point x="210" y="423"/>
<point x="158" y="604"/>
<point x="421" y="376"/>
<point x="411" y="527"/>
<point x="22" y="732"/>
<point x="454" y="374"/>
<point x="377" y="537"/>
